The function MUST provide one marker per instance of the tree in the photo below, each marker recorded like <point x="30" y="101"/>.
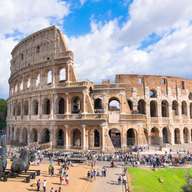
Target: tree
<point x="3" y="113"/>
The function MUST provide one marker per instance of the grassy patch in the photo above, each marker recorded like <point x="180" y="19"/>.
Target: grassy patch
<point x="161" y="180"/>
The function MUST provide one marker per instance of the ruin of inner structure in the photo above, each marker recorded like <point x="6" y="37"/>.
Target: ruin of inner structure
<point x="48" y="105"/>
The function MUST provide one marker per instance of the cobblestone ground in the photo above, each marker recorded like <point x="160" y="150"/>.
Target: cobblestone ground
<point x="108" y="183"/>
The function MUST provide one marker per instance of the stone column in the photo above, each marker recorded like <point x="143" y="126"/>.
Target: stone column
<point x="83" y="137"/>
<point x="52" y="106"/>
<point x="67" y="104"/>
<point x="103" y="140"/>
<point x="84" y="102"/>
<point x="181" y="136"/>
<point x="67" y="145"/>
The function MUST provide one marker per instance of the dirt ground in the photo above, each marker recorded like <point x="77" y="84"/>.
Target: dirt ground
<point x="77" y="181"/>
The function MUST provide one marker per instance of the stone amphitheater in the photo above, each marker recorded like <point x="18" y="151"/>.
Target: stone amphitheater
<point x="48" y="105"/>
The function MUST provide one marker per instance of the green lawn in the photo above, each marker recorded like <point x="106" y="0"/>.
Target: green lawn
<point x="161" y="180"/>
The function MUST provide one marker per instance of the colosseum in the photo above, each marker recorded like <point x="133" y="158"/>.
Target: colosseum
<point x="48" y="105"/>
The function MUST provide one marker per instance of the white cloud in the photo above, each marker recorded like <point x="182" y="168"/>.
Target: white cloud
<point x="24" y="17"/>
<point x="110" y="49"/>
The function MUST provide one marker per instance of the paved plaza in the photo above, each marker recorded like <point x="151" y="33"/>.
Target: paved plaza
<point x="77" y="180"/>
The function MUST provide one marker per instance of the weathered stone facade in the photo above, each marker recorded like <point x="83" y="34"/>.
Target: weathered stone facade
<point x="48" y="105"/>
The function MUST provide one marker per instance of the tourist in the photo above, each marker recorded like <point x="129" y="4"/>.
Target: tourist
<point x="52" y="190"/>
<point x="67" y="179"/>
<point x="38" y="184"/>
<point x="44" y="185"/>
<point x="59" y="190"/>
<point x="119" y="180"/>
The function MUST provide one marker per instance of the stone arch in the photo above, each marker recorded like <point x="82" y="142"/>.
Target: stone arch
<point x="165" y="108"/>
<point x="34" y="135"/>
<point x="61" y="105"/>
<point x="18" y="109"/>
<point x="131" y="137"/>
<point x="49" y="77"/>
<point x="130" y="104"/>
<point x="166" y="135"/>
<point x="142" y="106"/>
<point x="76" y="138"/>
<point x="62" y="74"/>
<point x="190" y="109"/>
<point x="45" y="136"/>
<point x="75" y="104"/>
<point x="46" y="106"/>
<point x="153" y="108"/>
<point x="115" y="137"/>
<point x="98" y="105"/>
<point x="184" y="108"/>
<point x="35" y="107"/>
<point x="175" y="108"/>
<point x="114" y="104"/>
<point x="24" y="136"/>
<point x="152" y="93"/>
<point x="97" y="138"/>
<point x="17" y="135"/>
<point x="26" y="108"/>
<point x="60" y="137"/>
<point x="186" y="135"/>
<point x="155" y="139"/>
<point x="177" y="138"/>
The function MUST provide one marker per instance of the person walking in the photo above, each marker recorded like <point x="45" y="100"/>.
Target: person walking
<point x="38" y="184"/>
<point x="44" y="185"/>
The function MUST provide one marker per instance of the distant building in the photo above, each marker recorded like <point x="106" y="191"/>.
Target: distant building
<point x="47" y="104"/>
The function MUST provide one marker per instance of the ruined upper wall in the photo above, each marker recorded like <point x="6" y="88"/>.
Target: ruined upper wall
<point x="41" y="46"/>
<point x="165" y="84"/>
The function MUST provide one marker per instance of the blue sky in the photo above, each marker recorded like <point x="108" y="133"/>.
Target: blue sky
<point x="78" y="21"/>
<point x="107" y="36"/>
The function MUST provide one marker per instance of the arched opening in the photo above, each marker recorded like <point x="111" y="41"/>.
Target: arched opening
<point x="60" y="137"/>
<point x="24" y="137"/>
<point x="45" y="136"/>
<point x="46" y="106"/>
<point x="177" y="136"/>
<point x="35" y="107"/>
<point x="114" y="104"/>
<point x="115" y="136"/>
<point x="37" y="80"/>
<point x="175" y="108"/>
<point x="61" y="106"/>
<point x="130" y="104"/>
<point x="186" y="135"/>
<point x="76" y="105"/>
<point x="131" y="137"/>
<point x="98" y="105"/>
<point x="34" y="137"/>
<point x="184" y="108"/>
<point x="165" y="133"/>
<point x="191" y="110"/>
<point x="18" y="109"/>
<point x="17" y="135"/>
<point x="96" y="138"/>
<point x="26" y="108"/>
<point x="191" y="135"/>
<point x="155" y="139"/>
<point x="152" y="93"/>
<point x="141" y="106"/>
<point x="49" y="77"/>
<point x="164" y="108"/>
<point x="62" y="74"/>
<point x="190" y="96"/>
<point x="76" y="138"/>
<point x="153" y="109"/>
